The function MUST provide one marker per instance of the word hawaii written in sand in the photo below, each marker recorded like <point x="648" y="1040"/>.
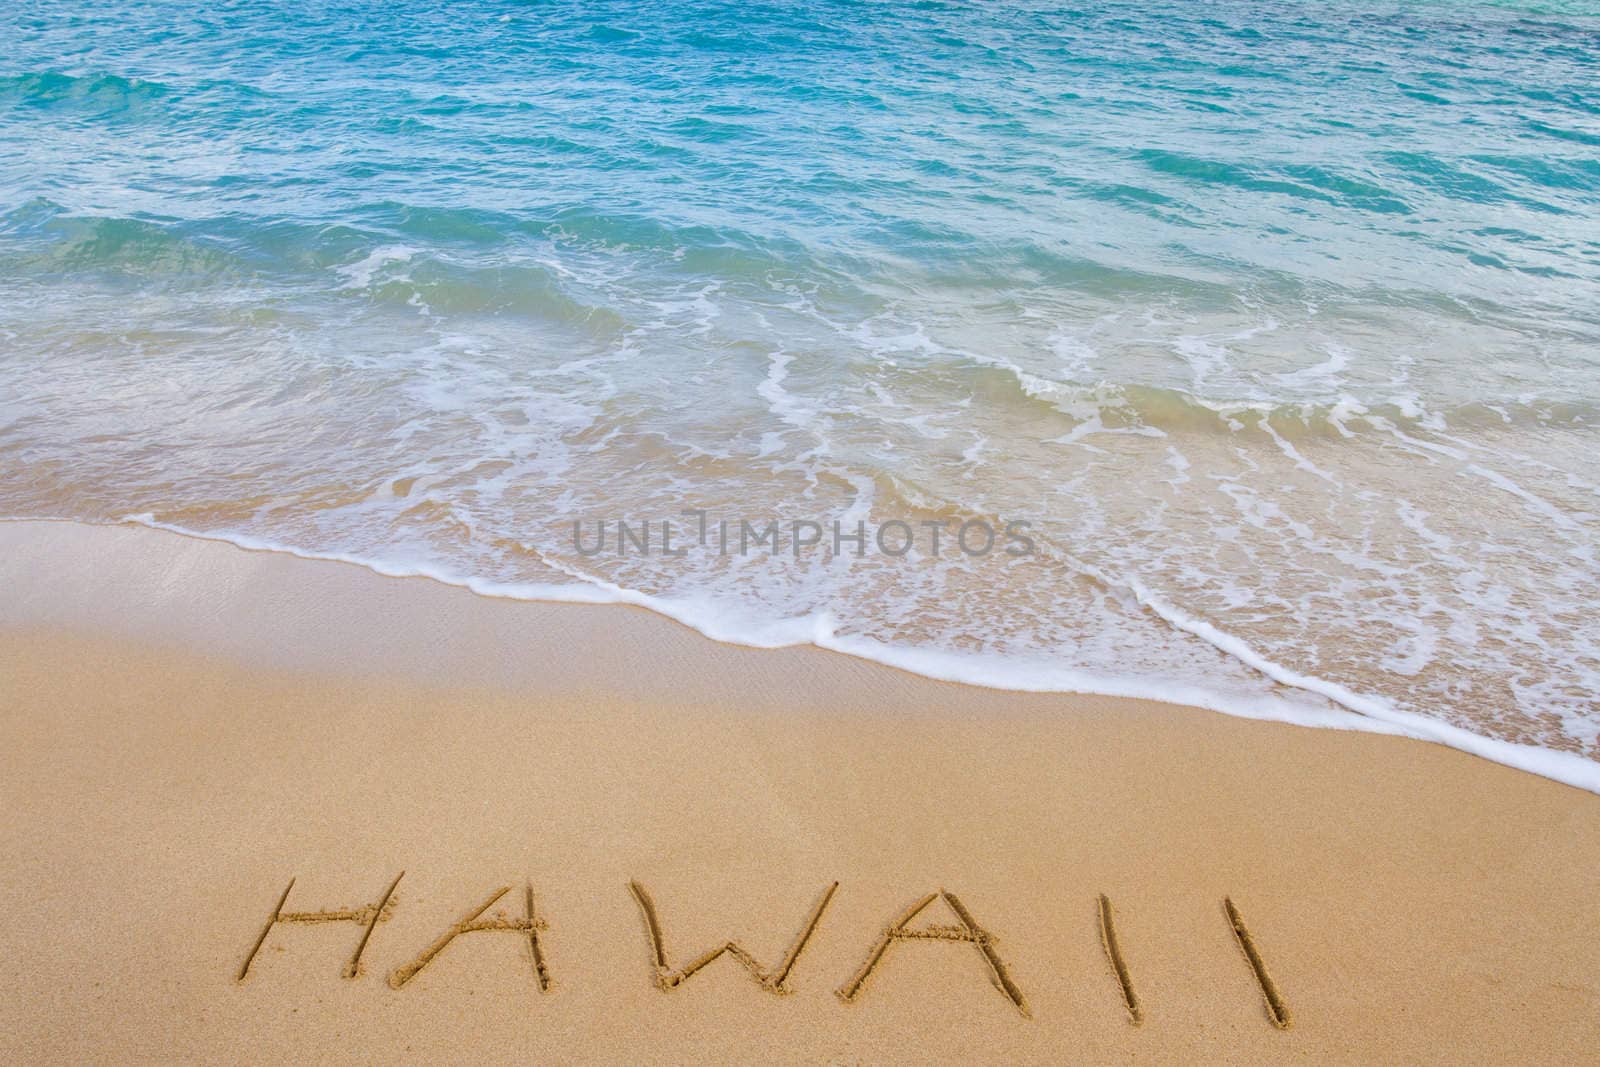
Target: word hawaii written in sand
<point x="963" y="928"/>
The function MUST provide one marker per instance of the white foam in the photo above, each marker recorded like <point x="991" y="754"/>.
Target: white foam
<point x="359" y="275"/>
<point x="1294" y="453"/>
<point x="788" y="407"/>
<point x="1562" y="766"/>
<point x="1351" y="710"/>
<point x="1322" y="373"/>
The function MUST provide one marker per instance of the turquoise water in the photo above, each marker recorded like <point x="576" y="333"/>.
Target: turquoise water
<point x="1277" y="323"/>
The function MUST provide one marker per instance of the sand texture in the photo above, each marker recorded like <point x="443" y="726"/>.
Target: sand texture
<point x="426" y="825"/>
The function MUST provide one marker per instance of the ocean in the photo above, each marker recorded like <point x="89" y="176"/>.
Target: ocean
<point x="1263" y="339"/>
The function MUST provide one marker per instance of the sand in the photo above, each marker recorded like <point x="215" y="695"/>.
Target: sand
<point x="186" y="726"/>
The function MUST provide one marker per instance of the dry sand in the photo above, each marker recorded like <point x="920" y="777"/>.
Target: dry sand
<point x="186" y="726"/>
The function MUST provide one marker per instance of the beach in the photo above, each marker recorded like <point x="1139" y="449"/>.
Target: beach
<point x="701" y="532"/>
<point x="187" y="726"/>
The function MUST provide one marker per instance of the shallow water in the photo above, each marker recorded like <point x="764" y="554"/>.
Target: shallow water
<point x="1278" y="324"/>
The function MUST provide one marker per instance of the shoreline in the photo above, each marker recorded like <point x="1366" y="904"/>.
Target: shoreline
<point x="265" y="731"/>
<point x="1345" y="710"/>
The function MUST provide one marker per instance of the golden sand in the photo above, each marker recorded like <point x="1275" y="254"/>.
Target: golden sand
<point x="423" y="824"/>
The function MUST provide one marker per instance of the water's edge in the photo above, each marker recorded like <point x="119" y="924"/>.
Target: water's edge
<point x="1356" y="711"/>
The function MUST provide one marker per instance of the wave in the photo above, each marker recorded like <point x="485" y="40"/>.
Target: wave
<point x="1180" y="412"/>
<point x="51" y="242"/>
<point x="56" y="237"/>
<point x="98" y="94"/>
<point x="441" y="287"/>
<point x="1347" y="710"/>
<point x="1310" y="182"/>
<point x="45" y="238"/>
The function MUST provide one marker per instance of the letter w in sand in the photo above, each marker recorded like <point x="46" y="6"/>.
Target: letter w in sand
<point x="772" y="980"/>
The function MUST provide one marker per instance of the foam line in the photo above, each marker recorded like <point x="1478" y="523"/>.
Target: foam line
<point x="1354" y="711"/>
